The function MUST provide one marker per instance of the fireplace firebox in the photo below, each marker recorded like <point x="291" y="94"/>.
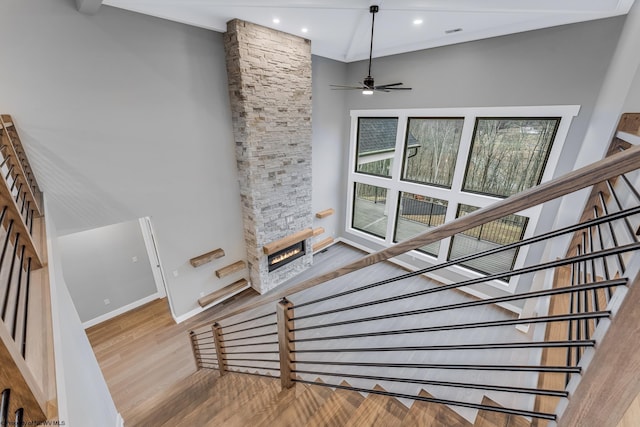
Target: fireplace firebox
<point x="286" y="255"/>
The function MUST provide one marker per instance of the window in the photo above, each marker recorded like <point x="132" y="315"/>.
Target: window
<point x="508" y="155"/>
<point x="431" y="150"/>
<point x="411" y="170"/>
<point x="369" y="209"/>
<point x="376" y="145"/>
<point x="503" y="231"/>
<point x="417" y="214"/>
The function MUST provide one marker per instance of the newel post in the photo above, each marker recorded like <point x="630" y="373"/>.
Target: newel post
<point x="218" y="341"/>
<point x="284" y="314"/>
<point x="195" y="349"/>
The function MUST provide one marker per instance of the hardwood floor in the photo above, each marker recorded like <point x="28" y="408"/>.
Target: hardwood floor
<point x="146" y="358"/>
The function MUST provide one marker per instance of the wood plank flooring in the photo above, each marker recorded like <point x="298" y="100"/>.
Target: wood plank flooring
<point x="145" y="357"/>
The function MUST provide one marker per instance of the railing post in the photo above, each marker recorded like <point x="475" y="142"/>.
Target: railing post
<point x="218" y="341"/>
<point x="194" y="349"/>
<point x="284" y="314"/>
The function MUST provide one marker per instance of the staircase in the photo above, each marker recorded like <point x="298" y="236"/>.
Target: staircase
<point x="393" y="341"/>
<point x="238" y="400"/>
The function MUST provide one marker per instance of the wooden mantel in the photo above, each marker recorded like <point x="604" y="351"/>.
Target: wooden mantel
<point x="285" y="242"/>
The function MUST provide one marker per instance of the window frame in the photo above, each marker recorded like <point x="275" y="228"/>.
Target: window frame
<point x="453" y="195"/>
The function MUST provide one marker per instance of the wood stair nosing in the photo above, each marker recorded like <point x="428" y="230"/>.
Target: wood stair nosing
<point x="498" y="419"/>
<point x="268" y="405"/>
<point x="307" y="401"/>
<point x="163" y="406"/>
<point x="427" y="414"/>
<point x="378" y="410"/>
<point x="248" y="401"/>
<point x="227" y="390"/>
<point x="337" y="408"/>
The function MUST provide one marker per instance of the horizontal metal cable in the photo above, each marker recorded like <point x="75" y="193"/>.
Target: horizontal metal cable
<point x="488" y="324"/>
<point x="205" y="338"/>
<point x="523" y="390"/>
<point x="216" y="368"/>
<point x="443" y="347"/>
<point x="251" y="336"/>
<point x="535" y="239"/>
<point x="502" y="368"/>
<point x="249" y="320"/>
<point x="200" y="333"/>
<point x="251" y="360"/>
<point x="275" y="377"/>
<point x="524" y="413"/>
<point x="203" y="359"/>
<point x="253" y="367"/>
<point x="253" y="352"/>
<point x="520" y="271"/>
<point x="251" y="344"/>
<point x="205" y="348"/>
<point x="249" y="329"/>
<point x="527" y="295"/>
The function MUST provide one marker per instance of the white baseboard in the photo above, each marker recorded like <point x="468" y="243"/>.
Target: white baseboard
<point x="119" y="420"/>
<point x="198" y="310"/>
<point x="121" y="310"/>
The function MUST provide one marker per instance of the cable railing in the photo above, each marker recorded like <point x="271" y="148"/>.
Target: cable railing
<point x="24" y="322"/>
<point x="409" y="333"/>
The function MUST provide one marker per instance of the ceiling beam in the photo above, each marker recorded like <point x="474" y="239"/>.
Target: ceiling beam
<point x="88" y="7"/>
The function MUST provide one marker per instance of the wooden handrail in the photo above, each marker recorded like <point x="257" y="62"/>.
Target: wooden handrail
<point x="586" y="176"/>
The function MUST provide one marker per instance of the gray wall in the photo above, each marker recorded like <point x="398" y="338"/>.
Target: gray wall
<point x="556" y="66"/>
<point x="330" y="144"/>
<point x="98" y="264"/>
<point x="83" y="395"/>
<point x="124" y="116"/>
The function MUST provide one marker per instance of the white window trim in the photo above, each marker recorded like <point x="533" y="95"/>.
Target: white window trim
<point x="454" y="195"/>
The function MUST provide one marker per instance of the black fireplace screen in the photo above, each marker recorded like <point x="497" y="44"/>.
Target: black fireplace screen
<point x="286" y="255"/>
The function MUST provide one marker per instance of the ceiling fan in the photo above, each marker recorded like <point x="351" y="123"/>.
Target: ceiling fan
<point x="368" y="85"/>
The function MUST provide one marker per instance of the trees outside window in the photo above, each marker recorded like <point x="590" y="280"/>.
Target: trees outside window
<point x="508" y="155"/>
<point x="431" y="150"/>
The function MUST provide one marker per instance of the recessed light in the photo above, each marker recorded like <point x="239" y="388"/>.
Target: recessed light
<point x="454" y="30"/>
<point x="276" y="20"/>
<point x="305" y="30"/>
<point x="417" y="21"/>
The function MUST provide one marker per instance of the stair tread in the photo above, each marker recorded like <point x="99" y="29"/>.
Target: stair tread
<point x="308" y="399"/>
<point x="251" y="400"/>
<point x="498" y="419"/>
<point x="164" y="406"/>
<point x="337" y="408"/>
<point x="378" y="410"/>
<point x="226" y="390"/>
<point x="429" y="414"/>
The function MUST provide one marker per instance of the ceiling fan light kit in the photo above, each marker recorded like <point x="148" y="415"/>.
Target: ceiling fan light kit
<point x="368" y="86"/>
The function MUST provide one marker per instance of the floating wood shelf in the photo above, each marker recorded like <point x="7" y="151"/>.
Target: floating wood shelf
<point x="318" y="231"/>
<point x="231" y="268"/>
<point x="325" y="213"/>
<point x="205" y="258"/>
<point x="630" y="123"/>
<point x="322" y="243"/>
<point x="285" y="242"/>
<point x="224" y="293"/>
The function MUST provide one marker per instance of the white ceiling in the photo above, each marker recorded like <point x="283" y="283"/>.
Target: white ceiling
<point x="340" y="29"/>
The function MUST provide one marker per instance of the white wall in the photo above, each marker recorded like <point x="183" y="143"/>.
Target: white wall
<point x="98" y="264"/>
<point x="83" y="396"/>
<point x="125" y="116"/>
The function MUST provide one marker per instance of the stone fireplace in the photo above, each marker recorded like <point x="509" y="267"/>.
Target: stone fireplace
<point x="269" y="75"/>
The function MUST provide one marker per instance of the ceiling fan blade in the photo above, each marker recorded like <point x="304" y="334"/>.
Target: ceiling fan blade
<point x="346" y="87"/>
<point x="390" y="84"/>
<point x="398" y="88"/>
